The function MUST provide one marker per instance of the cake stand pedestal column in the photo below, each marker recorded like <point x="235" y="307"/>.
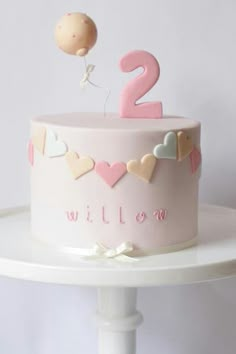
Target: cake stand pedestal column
<point x="117" y="320"/>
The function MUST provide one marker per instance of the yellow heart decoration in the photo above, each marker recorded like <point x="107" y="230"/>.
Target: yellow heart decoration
<point x="39" y="138"/>
<point x="143" y="169"/>
<point x="185" y="145"/>
<point x="79" y="165"/>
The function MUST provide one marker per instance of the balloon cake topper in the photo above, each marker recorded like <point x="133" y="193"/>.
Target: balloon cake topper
<point x="76" y="34"/>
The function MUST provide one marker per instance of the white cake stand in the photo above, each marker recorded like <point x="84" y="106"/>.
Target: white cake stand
<point x="117" y="283"/>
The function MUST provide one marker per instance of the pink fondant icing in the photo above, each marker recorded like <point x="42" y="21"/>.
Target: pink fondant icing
<point x="139" y="86"/>
<point x="160" y="214"/>
<point x="60" y="205"/>
<point x="140" y="217"/>
<point x="121" y="216"/>
<point x="72" y="215"/>
<point x="105" y="221"/>
<point x="111" y="174"/>
<point x="89" y="215"/>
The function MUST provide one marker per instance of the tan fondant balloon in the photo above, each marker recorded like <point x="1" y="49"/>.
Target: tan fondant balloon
<point x="76" y="33"/>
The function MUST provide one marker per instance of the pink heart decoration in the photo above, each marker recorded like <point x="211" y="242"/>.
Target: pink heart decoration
<point x="111" y="174"/>
<point x="31" y="153"/>
<point x="195" y="158"/>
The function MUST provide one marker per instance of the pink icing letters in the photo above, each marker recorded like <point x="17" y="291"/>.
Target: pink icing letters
<point x="103" y="216"/>
<point x="72" y="216"/>
<point x="111" y="174"/>
<point x="140" y="217"/>
<point x="100" y="215"/>
<point x="160" y="214"/>
<point x="88" y="215"/>
<point x="139" y="86"/>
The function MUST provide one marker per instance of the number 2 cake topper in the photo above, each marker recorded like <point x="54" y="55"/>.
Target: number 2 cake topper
<point x="139" y="86"/>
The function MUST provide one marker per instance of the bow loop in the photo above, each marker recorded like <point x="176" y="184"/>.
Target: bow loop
<point x="119" y="253"/>
<point x="89" y="69"/>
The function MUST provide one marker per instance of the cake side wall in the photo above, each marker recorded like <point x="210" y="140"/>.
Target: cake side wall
<point x="78" y="213"/>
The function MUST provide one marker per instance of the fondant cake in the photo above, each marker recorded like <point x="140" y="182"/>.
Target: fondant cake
<point x="114" y="184"/>
<point x="111" y="180"/>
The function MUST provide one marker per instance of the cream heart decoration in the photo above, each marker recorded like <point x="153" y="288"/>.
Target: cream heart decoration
<point x="185" y="145"/>
<point x="168" y="150"/>
<point x="143" y="169"/>
<point x="38" y="139"/>
<point x="53" y="146"/>
<point x="79" y="165"/>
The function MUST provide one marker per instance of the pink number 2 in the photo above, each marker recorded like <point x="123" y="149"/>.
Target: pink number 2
<point x="139" y="86"/>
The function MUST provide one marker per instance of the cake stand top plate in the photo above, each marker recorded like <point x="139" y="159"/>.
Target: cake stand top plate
<point x="214" y="257"/>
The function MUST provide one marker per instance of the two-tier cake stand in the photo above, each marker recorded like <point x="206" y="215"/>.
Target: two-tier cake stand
<point x="117" y="282"/>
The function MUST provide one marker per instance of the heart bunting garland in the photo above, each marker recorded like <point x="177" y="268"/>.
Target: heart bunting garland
<point x="79" y="165"/>
<point x="38" y="139"/>
<point x="53" y="146"/>
<point x="47" y="143"/>
<point x="111" y="174"/>
<point x="143" y="169"/>
<point x="176" y="146"/>
<point x="185" y="145"/>
<point x="167" y="150"/>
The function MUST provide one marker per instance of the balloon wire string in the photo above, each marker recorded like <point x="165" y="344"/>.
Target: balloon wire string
<point x="99" y="87"/>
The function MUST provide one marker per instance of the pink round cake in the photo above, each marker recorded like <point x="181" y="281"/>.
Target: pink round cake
<point x="107" y="180"/>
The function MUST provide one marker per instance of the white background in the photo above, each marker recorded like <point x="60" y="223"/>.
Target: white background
<point x="195" y="43"/>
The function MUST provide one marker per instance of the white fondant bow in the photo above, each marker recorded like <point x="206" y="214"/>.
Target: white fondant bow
<point x="99" y="251"/>
<point x="85" y="79"/>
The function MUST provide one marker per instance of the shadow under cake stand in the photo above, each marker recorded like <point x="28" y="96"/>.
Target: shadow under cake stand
<point x="117" y="317"/>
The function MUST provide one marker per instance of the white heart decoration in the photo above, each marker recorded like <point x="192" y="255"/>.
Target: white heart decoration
<point x="54" y="147"/>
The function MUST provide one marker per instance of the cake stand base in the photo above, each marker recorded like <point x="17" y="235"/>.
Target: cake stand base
<point x="117" y="317"/>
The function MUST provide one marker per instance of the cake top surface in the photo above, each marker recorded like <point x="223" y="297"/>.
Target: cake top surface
<point x="112" y="121"/>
